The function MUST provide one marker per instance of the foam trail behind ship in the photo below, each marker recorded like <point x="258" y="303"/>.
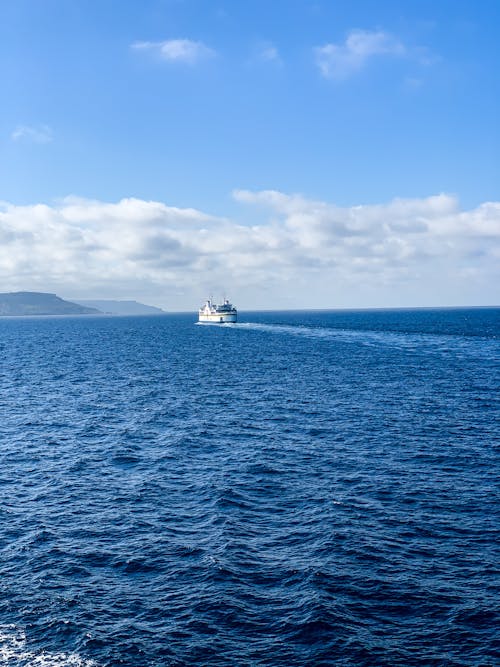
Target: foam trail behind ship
<point x="368" y="338"/>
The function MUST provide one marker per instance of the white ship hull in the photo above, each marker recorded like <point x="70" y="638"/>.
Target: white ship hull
<point x="218" y="318"/>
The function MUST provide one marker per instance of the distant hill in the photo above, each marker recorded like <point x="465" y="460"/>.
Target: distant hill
<point x="40" y="303"/>
<point x="121" y="307"/>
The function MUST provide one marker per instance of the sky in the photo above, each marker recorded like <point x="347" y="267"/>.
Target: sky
<point x="285" y="153"/>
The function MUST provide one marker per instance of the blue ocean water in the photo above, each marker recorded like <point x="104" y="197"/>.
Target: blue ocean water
<point x="298" y="489"/>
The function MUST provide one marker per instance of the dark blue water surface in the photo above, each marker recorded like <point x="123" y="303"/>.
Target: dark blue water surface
<point x="307" y="488"/>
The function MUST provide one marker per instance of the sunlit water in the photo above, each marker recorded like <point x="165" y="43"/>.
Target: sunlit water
<point x="312" y="488"/>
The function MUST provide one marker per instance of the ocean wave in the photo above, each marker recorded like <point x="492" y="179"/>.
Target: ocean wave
<point x="288" y="495"/>
<point x="15" y="652"/>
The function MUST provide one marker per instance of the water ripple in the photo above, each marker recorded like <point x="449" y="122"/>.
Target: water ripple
<point x="296" y="490"/>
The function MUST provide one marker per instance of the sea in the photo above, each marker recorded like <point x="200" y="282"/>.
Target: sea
<point x="313" y="488"/>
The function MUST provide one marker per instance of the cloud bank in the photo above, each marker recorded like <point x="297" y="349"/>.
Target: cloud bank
<point x="299" y="252"/>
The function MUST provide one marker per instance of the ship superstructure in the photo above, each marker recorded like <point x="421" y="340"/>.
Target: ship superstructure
<point x="219" y="314"/>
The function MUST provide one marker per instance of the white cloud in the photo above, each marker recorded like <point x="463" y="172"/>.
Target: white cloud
<point x="339" y="61"/>
<point x="406" y="252"/>
<point x="177" y="50"/>
<point x="267" y="52"/>
<point x="39" y="134"/>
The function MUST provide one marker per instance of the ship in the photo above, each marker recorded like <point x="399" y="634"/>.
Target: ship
<point x="218" y="314"/>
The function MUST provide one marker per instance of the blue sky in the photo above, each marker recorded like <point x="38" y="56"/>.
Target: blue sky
<point x="333" y="105"/>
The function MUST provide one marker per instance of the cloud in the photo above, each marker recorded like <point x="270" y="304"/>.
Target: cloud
<point x="268" y="53"/>
<point x="339" y="61"/>
<point x="147" y="249"/>
<point x="177" y="50"/>
<point x="40" y="134"/>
